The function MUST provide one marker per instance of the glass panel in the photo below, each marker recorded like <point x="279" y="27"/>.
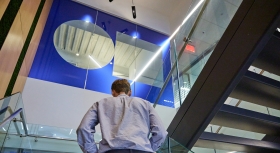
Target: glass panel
<point x="171" y="146"/>
<point x="13" y="138"/>
<point x="125" y="54"/>
<point x="203" y="30"/>
<point x="210" y="150"/>
<point x="52" y="145"/>
<point x="131" y="56"/>
<point x="202" y="40"/>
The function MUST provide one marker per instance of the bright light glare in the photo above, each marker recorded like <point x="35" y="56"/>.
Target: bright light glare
<point x="134" y="37"/>
<point x="77" y="54"/>
<point x="187" y="89"/>
<point x="71" y="131"/>
<point x="166" y="43"/>
<point x="94" y="61"/>
<point x="87" y="21"/>
<point x="3" y="128"/>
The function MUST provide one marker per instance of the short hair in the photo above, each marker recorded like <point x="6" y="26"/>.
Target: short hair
<point x="121" y="85"/>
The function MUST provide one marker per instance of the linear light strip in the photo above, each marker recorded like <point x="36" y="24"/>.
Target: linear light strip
<point x="167" y="41"/>
<point x="94" y="61"/>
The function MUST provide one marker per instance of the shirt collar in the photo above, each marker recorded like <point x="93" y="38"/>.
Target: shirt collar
<point x="122" y="95"/>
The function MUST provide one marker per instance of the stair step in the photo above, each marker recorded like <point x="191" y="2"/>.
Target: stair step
<point x="239" y="118"/>
<point x="269" y="58"/>
<point x="258" y="89"/>
<point x="231" y="143"/>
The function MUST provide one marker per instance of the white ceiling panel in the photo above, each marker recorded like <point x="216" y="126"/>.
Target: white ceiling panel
<point x="208" y="32"/>
<point x="220" y="12"/>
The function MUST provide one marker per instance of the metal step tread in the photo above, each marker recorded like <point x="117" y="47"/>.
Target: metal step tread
<point x="258" y="89"/>
<point x="231" y="143"/>
<point x="239" y="118"/>
<point x="269" y="58"/>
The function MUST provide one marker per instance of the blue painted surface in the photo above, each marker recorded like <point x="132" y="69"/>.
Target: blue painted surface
<point x="49" y="66"/>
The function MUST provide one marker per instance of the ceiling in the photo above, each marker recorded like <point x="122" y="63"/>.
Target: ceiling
<point x="161" y="15"/>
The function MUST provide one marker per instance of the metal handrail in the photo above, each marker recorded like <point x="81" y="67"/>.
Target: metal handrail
<point x="170" y="73"/>
<point x="46" y="137"/>
<point x="39" y="136"/>
<point x="12" y="117"/>
<point x="3" y="110"/>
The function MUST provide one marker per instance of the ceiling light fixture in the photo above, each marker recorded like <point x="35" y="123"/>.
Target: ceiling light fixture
<point x="133" y="10"/>
<point x="110" y="1"/>
<point x="77" y="54"/>
<point x="167" y="42"/>
<point x="94" y="61"/>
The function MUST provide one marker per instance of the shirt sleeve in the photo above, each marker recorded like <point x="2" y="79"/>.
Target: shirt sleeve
<point x="86" y="129"/>
<point x="157" y="129"/>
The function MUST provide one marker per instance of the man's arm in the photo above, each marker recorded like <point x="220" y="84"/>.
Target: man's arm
<point x="157" y="129"/>
<point x="86" y="129"/>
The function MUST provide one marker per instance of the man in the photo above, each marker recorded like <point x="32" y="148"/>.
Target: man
<point x="126" y="123"/>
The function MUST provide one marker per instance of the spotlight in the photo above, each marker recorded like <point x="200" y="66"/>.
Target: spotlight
<point x="133" y="11"/>
<point x="110" y="0"/>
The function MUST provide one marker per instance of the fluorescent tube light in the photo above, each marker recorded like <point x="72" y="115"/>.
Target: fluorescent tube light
<point x="166" y="43"/>
<point x="94" y="61"/>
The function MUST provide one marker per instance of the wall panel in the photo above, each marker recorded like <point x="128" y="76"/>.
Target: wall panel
<point x="28" y="60"/>
<point x="3" y="6"/>
<point x="14" y="41"/>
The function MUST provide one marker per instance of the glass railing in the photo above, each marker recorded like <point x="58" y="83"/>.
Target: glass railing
<point x="172" y="146"/>
<point x="190" y="50"/>
<point x="45" y="139"/>
<point x="13" y="132"/>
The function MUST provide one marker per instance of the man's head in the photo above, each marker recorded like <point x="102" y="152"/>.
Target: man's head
<point x="120" y="86"/>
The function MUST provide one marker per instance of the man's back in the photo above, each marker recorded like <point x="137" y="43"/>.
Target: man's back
<point x="124" y="123"/>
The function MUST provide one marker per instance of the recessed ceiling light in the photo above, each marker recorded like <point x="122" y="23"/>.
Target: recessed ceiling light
<point x="77" y="54"/>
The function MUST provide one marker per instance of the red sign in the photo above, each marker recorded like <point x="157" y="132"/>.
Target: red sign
<point x="190" y="48"/>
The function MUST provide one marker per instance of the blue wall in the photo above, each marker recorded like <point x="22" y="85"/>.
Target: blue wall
<point x="48" y="65"/>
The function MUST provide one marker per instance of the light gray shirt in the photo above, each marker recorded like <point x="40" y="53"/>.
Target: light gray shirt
<point x="125" y="122"/>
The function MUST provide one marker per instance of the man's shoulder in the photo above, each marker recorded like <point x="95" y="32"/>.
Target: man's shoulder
<point x="138" y="98"/>
<point x="109" y="99"/>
